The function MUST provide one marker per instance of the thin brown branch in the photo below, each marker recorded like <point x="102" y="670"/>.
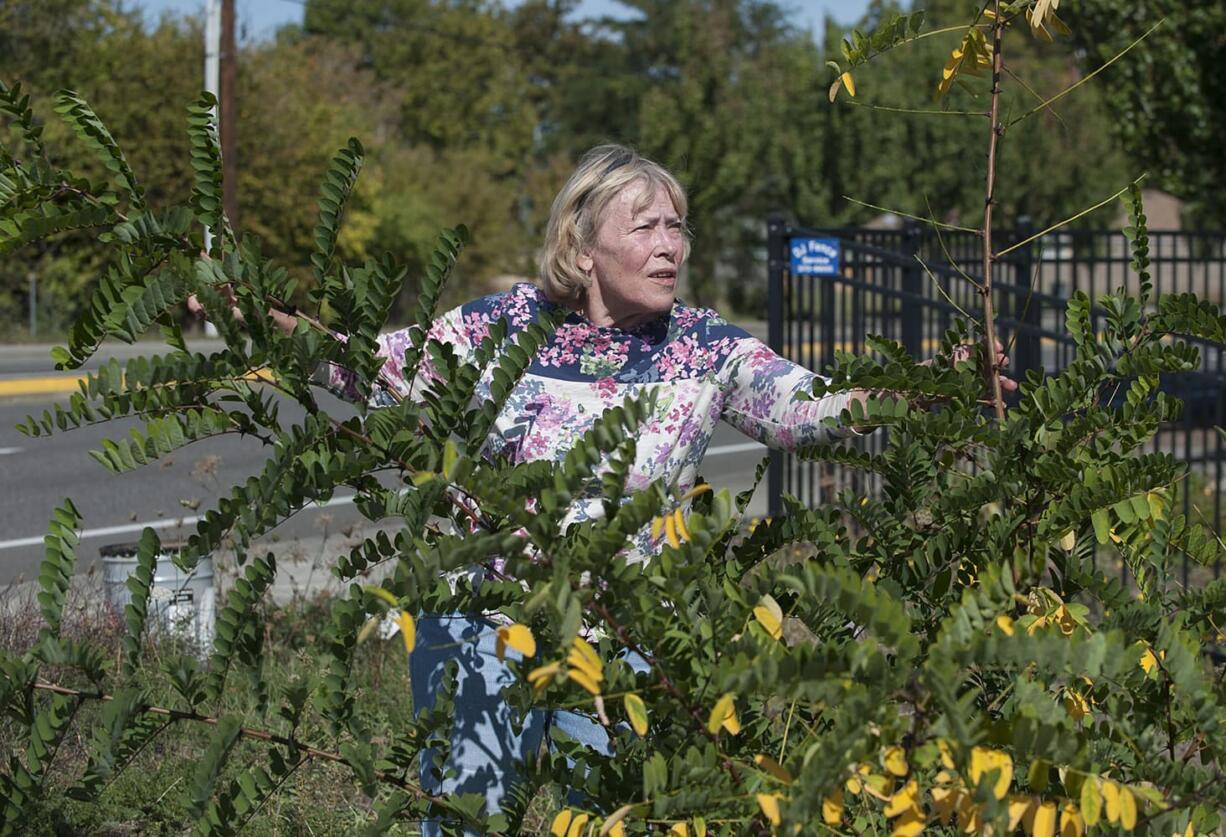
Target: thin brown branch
<point x="989" y="258"/>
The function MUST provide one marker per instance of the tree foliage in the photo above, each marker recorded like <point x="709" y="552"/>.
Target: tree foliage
<point x="1167" y="101"/>
<point x="476" y="111"/>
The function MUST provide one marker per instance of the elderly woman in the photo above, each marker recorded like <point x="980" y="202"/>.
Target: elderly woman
<point x="614" y="248"/>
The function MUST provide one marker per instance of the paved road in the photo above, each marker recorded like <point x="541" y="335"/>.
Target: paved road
<point x="36" y="474"/>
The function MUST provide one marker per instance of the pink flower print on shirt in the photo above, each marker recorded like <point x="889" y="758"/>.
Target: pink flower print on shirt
<point x="606" y="388"/>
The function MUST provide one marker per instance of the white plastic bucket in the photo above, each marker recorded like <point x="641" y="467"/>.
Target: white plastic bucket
<point x="181" y="604"/>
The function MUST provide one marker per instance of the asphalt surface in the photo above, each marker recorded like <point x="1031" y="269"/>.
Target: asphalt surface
<point x="36" y="474"/>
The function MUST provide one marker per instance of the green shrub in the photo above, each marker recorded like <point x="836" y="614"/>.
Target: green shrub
<point x="942" y="652"/>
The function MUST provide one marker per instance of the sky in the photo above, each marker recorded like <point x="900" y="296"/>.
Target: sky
<point x="260" y="18"/>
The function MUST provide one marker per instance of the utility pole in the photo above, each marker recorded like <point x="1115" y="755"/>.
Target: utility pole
<point x="212" y="72"/>
<point x="229" y="115"/>
<point x="33" y="277"/>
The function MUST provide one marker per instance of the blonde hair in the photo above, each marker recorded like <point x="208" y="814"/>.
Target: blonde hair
<point x="601" y="175"/>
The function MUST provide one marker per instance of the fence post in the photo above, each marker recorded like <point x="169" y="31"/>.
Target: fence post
<point x="776" y="254"/>
<point x="912" y="282"/>
<point x="1027" y="311"/>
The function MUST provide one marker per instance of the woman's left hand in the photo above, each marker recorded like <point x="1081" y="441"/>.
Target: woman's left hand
<point x="966" y="351"/>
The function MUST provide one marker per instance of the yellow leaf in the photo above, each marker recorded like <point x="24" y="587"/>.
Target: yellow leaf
<point x="723" y="714"/>
<point x="683" y="531"/>
<point x="1128" y="809"/>
<point x="945" y="801"/>
<point x="380" y="593"/>
<point x="895" y="761"/>
<point x="408" y="631"/>
<point x="970" y="815"/>
<point x="984" y="761"/>
<point x="722" y="709"/>
<point x="1091" y="801"/>
<point x="657" y="528"/>
<point x="909" y="824"/>
<point x="1071" y="823"/>
<point x="832" y="808"/>
<point x="1111" y="800"/>
<point x="420" y="478"/>
<point x="1041" y="8"/>
<point x="1005" y="624"/>
<point x="769" y="803"/>
<point x="680" y="829"/>
<point x="561" y="823"/>
<point x="1018" y="808"/>
<point x="584" y="658"/>
<point x="1066" y="621"/>
<point x="773" y="767"/>
<point x="1068" y="540"/>
<point x="540" y="677"/>
<point x="372" y="624"/>
<point x="613" y="824"/>
<point x="636" y="712"/>
<point x="947" y="754"/>
<point x="770" y="616"/>
<point x="879" y="786"/>
<point x="854" y="786"/>
<point x="835" y="86"/>
<point x="701" y="488"/>
<point x="903" y="800"/>
<point x="576" y="825"/>
<point x="700" y="827"/>
<point x="1038" y="29"/>
<point x="1148" y="661"/>
<point x="516" y="636"/>
<point x="849" y="83"/>
<point x="670" y="532"/>
<point x="1157" y="505"/>
<point x="584" y="680"/>
<point x="1045" y="820"/>
<point x="1076" y="704"/>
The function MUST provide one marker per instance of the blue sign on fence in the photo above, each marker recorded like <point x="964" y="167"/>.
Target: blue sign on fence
<point x="815" y="256"/>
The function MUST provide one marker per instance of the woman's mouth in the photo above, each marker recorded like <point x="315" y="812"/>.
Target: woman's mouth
<point x="663" y="277"/>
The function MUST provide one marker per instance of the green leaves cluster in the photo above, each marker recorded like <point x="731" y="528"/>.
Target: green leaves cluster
<point x="889" y="660"/>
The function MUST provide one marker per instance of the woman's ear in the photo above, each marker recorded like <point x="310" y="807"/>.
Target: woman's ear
<point x="584" y="261"/>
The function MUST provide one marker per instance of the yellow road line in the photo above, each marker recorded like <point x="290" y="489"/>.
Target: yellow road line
<point x="62" y="384"/>
<point x="47" y="385"/>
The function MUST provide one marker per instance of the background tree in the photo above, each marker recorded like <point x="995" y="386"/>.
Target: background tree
<point x="1168" y="103"/>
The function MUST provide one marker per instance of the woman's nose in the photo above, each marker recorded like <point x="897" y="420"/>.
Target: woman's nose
<point x="666" y="244"/>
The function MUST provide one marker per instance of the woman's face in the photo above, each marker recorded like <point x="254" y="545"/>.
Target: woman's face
<point x="635" y="258"/>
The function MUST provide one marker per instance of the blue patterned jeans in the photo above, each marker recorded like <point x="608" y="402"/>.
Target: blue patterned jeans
<point x="486" y="748"/>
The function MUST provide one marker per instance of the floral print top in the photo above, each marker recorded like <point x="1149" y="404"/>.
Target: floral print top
<point x="702" y="368"/>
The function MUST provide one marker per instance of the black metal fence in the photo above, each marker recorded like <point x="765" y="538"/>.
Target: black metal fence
<point x="911" y="284"/>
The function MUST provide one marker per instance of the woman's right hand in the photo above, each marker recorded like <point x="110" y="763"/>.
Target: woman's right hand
<point x="281" y="319"/>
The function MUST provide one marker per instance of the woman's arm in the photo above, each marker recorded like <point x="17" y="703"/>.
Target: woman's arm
<point x="449" y="329"/>
<point x="760" y="399"/>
